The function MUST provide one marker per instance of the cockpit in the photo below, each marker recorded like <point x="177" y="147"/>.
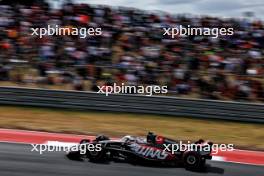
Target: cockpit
<point x="132" y="139"/>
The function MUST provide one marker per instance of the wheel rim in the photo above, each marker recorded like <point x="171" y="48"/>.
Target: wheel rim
<point x="191" y="160"/>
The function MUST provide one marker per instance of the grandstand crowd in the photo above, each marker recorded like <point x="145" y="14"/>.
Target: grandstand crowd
<point x="131" y="50"/>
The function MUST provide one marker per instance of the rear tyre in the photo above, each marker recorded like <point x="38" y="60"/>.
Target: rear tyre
<point x="200" y="141"/>
<point x="192" y="161"/>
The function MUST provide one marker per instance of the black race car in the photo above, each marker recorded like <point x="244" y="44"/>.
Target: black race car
<point x="152" y="149"/>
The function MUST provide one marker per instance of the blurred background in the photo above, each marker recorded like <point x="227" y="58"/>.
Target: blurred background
<point x="132" y="49"/>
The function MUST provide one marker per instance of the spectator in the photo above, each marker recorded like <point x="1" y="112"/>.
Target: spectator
<point x="132" y="50"/>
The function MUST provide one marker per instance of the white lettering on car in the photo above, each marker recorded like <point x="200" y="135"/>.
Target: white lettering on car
<point x="149" y="152"/>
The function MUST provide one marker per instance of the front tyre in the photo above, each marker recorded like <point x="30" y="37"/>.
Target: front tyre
<point x="74" y="155"/>
<point x="101" y="138"/>
<point x="84" y="141"/>
<point x="77" y="155"/>
<point x="97" y="156"/>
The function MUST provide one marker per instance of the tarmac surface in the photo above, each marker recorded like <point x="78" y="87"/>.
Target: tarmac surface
<point x="19" y="160"/>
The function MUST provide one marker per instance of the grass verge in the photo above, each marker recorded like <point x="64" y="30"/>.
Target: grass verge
<point x="243" y="135"/>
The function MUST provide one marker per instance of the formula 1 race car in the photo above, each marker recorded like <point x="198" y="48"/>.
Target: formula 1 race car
<point x="151" y="149"/>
